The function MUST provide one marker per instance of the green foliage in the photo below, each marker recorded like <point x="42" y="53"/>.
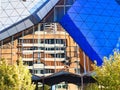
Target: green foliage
<point x="15" y="77"/>
<point x="108" y="75"/>
<point x="46" y="87"/>
<point x="91" y="86"/>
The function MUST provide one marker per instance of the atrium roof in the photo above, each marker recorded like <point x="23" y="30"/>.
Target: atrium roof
<point x="18" y="15"/>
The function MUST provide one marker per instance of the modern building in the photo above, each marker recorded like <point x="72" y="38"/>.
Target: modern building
<point x="54" y="35"/>
<point x="36" y="36"/>
<point x="46" y="50"/>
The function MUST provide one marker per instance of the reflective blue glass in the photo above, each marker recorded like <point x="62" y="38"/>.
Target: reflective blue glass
<point x="118" y="1"/>
<point x="94" y="25"/>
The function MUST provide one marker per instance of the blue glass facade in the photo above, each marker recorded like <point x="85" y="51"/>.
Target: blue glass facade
<point x="94" y="25"/>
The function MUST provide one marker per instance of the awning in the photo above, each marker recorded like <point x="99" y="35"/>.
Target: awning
<point x="35" y="78"/>
<point x="64" y="76"/>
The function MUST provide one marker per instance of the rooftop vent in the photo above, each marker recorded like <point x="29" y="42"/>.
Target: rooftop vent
<point x="24" y="0"/>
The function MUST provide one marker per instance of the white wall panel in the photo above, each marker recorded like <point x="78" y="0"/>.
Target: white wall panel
<point x="12" y="31"/>
<point x="28" y="23"/>
<point x="20" y="26"/>
<point x="4" y="35"/>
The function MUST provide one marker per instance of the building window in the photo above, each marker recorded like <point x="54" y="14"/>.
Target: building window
<point x="49" y="70"/>
<point x="59" y="55"/>
<point x="77" y="70"/>
<point x="29" y="63"/>
<point x="54" y="41"/>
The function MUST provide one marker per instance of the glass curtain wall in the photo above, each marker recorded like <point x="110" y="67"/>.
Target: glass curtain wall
<point x="46" y="47"/>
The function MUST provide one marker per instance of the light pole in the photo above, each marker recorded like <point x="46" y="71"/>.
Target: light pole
<point x="82" y="82"/>
<point x="78" y="63"/>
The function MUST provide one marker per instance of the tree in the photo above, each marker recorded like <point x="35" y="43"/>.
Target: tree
<point x="108" y="75"/>
<point x="15" y="77"/>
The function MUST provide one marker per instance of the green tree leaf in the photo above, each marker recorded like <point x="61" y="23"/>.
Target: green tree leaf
<point x="15" y="77"/>
<point x="108" y="75"/>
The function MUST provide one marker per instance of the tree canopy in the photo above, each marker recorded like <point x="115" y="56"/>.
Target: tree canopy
<point x="15" y="77"/>
<point x="108" y="75"/>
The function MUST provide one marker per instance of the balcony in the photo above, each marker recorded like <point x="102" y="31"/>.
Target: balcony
<point x="42" y="45"/>
<point x="27" y="59"/>
<point x="54" y="67"/>
<point x="38" y="66"/>
<point x="46" y="74"/>
<point x="53" y="59"/>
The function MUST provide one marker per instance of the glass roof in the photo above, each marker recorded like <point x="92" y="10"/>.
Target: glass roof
<point x="12" y="11"/>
